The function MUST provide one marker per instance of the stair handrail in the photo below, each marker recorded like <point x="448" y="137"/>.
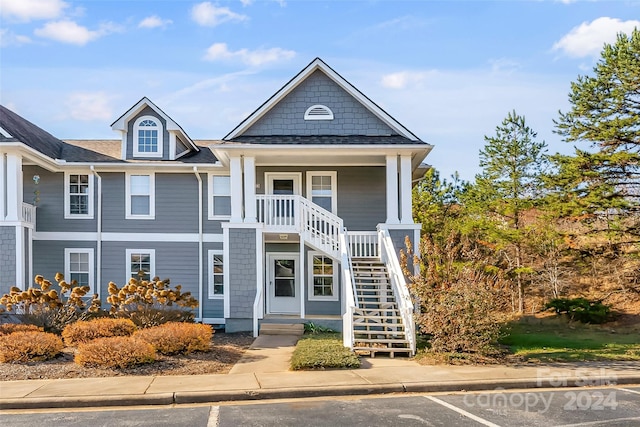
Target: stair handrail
<point x="258" y="312"/>
<point x="351" y="302"/>
<point x="399" y="285"/>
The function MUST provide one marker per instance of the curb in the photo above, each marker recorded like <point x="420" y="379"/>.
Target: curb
<point x="177" y="398"/>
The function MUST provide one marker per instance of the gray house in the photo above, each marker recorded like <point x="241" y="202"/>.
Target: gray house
<point x="297" y="215"/>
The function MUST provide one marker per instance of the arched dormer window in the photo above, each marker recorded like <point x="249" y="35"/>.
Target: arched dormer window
<point x="318" y="112"/>
<point x="147" y="137"/>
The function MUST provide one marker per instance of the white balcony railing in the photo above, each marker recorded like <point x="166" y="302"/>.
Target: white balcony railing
<point x="28" y="213"/>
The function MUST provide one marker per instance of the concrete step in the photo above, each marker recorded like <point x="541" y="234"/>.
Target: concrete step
<point x="295" y="329"/>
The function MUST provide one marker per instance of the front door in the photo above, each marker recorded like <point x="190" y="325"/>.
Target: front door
<point x="283" y="279"/>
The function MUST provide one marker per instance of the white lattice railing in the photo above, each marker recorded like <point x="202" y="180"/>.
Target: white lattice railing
<point x="363" y="244"/>
<point x="399" y="285"/>
<point x="318" y="227"/>
<point x="28" y="213"/>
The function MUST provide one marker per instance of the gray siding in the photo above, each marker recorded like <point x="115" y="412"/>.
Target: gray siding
<point x="147" y="111"/>
<point x="48" y="258"/>
<point x="208" y="226"/>
<point x="321" y="307"/>
<point x="50" y="207"/>
<point x="361" y="193"/>
<point x="350" y="117"/>
<point x="180" y="146"/>
<point x="242" y="274"/>
<point x="7" y="259"/>
<point x="210" y="307"/>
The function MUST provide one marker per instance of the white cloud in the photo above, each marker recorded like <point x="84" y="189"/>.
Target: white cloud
<point x="9" y="38"/>
<point x="208" y="15"/>
<point x="88" y="106"/>
<point x="27" y="10"/>
<point x="154" y="21"/>
<point x="246" y="3"/>
<point x="220" y="52"/>
<point x="67" y="31"/>
<point x="589" y="38"/>
<point x="403" y="79"/>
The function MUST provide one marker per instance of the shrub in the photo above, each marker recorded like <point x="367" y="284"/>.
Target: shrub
<point x="174" y="337"/>
<point x="50" y="308"/>
<point x="28" y="346"/>
<point x="115" y="352"/>
<point x="151" y="302"/>
<point x="85" y="331"/>
<point x="10" y="328"/>
<point x="581" y="309"/>
<point x="322" y="351"/>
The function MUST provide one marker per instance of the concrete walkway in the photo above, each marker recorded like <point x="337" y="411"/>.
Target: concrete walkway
<point x="263" y="373"/>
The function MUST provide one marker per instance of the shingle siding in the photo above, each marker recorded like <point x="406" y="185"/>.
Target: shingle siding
<point x="7" y="258"/>
<point x="242" y="272"/>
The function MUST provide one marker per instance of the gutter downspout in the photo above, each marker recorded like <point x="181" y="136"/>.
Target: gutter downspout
<point x="200" y="309"/>
<point x="98" y="232"/>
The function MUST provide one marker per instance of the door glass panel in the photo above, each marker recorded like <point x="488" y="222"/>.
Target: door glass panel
<point x="283" y="186"/>
<point x="284" y="279"/>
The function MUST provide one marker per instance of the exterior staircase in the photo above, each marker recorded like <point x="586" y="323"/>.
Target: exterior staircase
<point x="377" y="323"/>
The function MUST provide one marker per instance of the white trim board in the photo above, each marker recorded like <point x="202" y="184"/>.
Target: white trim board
<point x="126" y="237"/>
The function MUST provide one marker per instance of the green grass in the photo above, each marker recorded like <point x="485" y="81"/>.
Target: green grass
<point x="322" y="351"/>
<point x="557" y="340"/>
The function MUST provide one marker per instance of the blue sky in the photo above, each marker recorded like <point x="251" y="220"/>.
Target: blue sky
<point x="448" y="70"/>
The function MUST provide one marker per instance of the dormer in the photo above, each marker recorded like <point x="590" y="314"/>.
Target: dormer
<point x="148" y="133"/>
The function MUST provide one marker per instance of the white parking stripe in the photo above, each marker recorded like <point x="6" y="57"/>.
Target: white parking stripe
<point x="214" y="417"/>
<point x="601" y="422"/>
<point x="462" y="412"/>
<point x="627" y="390"/>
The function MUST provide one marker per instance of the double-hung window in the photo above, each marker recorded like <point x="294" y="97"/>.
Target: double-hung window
<point x="78" y="266"/>
<point x="147" y="135"/>
<point x="216" y="274"/>
<point x="219" y="196"/>
<point x="322" y="189"/>
<point x="141" y="264"/>
<point x="78" y="199"/>
<point x="323" y="280"/>
<point x="140" y="196"/>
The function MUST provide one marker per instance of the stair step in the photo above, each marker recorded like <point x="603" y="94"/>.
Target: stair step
<point x="398" y="319"/>
<point x="296" y="329"/>
<point x="380" y="341"/>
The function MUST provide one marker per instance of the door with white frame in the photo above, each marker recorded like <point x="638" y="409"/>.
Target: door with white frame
<point x="283" y="283"/>
<point x="281" y="209"/>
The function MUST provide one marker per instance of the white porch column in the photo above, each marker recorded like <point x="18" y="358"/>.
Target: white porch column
<point x="250" y="189"/>
<point x="392" y="189"/>
<point x="14" y="187"/>
<point x="236" y="189"/>
<point x="3" y="180"/>
<point x="405" y="190"/>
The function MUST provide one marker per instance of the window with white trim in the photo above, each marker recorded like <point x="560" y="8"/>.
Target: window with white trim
<point x="147" y="137"/>
<point x="323" y="277"/>
<point x="78" y="195"/>
<point x="216" y="274"/>
<point x="141" y="264"/>
<point x="78" y="267"/>
<point x="219" y="196"/>
<point x="321" y="189"/>
<point x="140" y="196"/>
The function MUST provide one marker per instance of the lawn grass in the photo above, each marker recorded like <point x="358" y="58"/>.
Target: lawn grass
<point x="322" y="351"/>
<point x="558" y="340"/>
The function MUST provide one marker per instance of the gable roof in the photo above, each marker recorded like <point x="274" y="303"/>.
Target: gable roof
<point x="121" y="122"/>
<point x="315" y="65"/>
<point x="22" y="130"/>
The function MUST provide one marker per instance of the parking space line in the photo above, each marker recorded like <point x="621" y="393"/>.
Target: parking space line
<point x="214" y="417"/>
<point x="462" y="411"/>
<point x="600" y="422"/>
<point x="627" y="390"/>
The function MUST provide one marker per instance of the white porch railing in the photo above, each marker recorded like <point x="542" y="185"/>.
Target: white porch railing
<point x="399" y="285"/>
<point x="317" y="226"/>
<point x="363" y="244"/>
<point x="350" y="300"/>
<point x="28" y="213"/>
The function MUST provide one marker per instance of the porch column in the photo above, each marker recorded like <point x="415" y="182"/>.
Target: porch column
<point x="3" y="180"/>
<point x="250" y="189"/>
<point x="405" y="190"/>
<point x="392" y="189"/>
<point x="236" y="189"/>
<point x="14" y="187"/>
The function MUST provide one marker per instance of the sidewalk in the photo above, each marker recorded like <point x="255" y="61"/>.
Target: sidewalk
<point x="262" y="374"/>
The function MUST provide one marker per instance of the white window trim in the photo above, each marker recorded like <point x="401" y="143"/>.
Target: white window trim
<point x="152" y="196"/>
<point x="67" y="197"/>
<point x="67" y="270"/>
<point x="312" y="297"/>
<point x="210" y="195"/>
<point x="326" y="113"/>
<point x="152" y="262"/>
<point x="334" y="187"/>
<point x="210" y="254"/>
<point x="136" y="128"/>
